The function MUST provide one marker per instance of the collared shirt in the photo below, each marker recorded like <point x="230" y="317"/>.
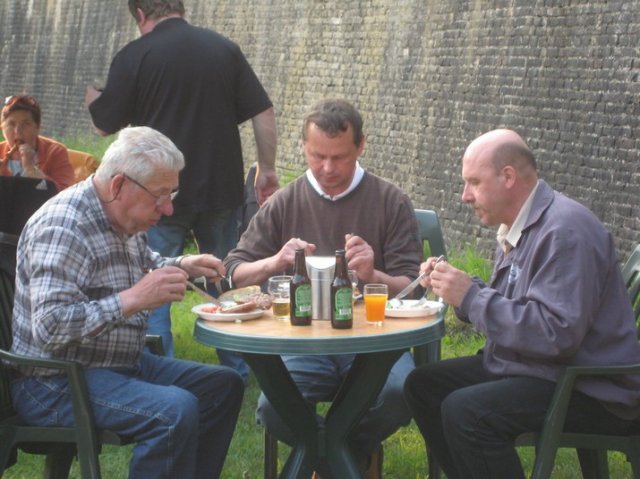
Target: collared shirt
<point x="508" y="238"/>
<point x="71" y="267"/>
<point x="357" y="178"/>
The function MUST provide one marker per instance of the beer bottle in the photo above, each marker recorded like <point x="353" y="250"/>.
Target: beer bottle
<point x="341" y="295"/>
<point x="300" y="292"/>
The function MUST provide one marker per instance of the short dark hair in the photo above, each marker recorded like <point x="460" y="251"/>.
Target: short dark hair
<point x="333" y="116"/>
<point x="154" y="9"/>
<point x="21" y="102"/>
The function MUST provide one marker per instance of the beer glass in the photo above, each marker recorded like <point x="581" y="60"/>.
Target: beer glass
<point x="375" y="302"/>
<point x="353" y="276"/>
<point x="279" y="290"/>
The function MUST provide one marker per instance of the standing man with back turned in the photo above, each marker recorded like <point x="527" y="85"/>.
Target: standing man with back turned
<point x="196" y="87"/>
<point x="556" y="298"/>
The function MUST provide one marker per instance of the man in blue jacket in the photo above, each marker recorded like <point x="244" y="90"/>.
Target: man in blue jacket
<point x="556" y="298"/>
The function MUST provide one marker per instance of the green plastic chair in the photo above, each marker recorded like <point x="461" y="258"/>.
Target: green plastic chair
<point x="592" y="448"/>
<point x="430" y="232"/>
<point x="59" y="444"/>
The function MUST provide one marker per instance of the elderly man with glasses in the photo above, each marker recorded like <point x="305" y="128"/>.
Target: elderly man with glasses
<point x="84" y="292"/>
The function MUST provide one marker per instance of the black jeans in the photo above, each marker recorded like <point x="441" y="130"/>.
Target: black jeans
<point x="470" y="418"/>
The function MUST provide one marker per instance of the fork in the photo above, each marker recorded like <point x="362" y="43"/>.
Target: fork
<point x="424" y="299"/>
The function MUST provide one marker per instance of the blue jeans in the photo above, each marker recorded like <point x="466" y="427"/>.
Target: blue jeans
<point x="181" y="414"/>
<point x="470" y="418"/>
<point x="319" y="377"/>
<point x="215" y="232"/>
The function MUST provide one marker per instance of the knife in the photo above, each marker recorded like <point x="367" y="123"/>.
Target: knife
<point x="411" y="286"/>
<point x="203" y="293"/>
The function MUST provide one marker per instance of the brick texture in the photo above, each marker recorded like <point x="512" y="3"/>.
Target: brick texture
<point x="428" y="76"/>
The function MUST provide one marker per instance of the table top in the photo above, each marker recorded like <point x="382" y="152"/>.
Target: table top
<point x="267" y="335"/>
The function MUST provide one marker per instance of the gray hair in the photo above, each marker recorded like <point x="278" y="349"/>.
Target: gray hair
<point x="139" y="151"/>
<point x="154" y="9"/>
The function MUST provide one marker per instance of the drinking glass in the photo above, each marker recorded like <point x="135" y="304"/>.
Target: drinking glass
<point x="375" y="301"/>
<point x="279" y="290"/>
<point x="353" y="276"/>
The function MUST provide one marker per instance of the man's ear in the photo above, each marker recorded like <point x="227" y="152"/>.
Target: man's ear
<point x="361" y="146"/>
<point x="509" y="174"/>
<point x="140" y="16"/>
<point x="116" y="185"/>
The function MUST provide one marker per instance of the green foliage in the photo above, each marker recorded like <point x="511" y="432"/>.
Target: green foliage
<point x="96" y="145"/>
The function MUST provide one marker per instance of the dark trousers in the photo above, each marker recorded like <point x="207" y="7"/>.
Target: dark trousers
<point x="470" y="418"/>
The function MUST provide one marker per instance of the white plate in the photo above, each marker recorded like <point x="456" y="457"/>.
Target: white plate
<point x="409" y="309"/>
<point x="256" y="313"/>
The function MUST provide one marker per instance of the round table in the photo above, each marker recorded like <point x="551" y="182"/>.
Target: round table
<point x="321" y="447"/>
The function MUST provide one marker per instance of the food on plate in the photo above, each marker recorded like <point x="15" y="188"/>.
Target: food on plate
<point x="246" y="295"/>
<point x="211" y="308"/>
<point x="229" y="307"/>
<point x="239" y="308"/>
<point x="406" y="304"/>
<point x="241" y="300"/>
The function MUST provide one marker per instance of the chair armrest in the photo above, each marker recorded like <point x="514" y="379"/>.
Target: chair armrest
<point x="553" y="425"/>
<point x="83" y="415"/>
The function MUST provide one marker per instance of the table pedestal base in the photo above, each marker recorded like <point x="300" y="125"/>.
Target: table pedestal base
<point x="323" y="447"/>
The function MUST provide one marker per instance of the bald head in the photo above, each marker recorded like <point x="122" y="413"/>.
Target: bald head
<point x="500" y="148"/>
<point x="499" y="171"/>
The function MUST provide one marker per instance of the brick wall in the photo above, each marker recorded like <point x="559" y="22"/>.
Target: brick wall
<point x="428" y="76"/>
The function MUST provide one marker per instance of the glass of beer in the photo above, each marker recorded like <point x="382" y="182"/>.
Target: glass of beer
<point x="375" y="301"/>
<point x="353" y="276"/>
<point x="279" y="290"/>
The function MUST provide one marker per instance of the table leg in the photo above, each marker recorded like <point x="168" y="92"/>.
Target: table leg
<point x="361" y="387"/>
<point x="323" y="448"/>
<point x="283" y="394"/>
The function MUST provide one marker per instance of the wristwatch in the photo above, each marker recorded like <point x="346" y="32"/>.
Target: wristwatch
<point x="177" y="261"/>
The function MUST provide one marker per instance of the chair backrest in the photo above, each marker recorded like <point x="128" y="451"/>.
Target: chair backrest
<point x="20" y="198"/>
<point x="429" y="230"/>
<point x="84" y="164"/>
<point x="631" y="275"/>
<point x="6" y="311"/>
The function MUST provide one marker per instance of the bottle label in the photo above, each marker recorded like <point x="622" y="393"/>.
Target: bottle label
<point x="343" y="305"/>
<point x="303" y="301"/>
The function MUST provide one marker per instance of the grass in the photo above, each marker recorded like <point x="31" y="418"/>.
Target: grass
<point x="405" y="456"/>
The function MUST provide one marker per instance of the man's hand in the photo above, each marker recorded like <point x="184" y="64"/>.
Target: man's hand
<point x="264" y="130"/>
<point x="91" y="93"/>
<point x="258" y="271"/>
<point x="448" y="282"/>
<point x="266" y="184"/>
<point x="359" y="256"/>
<point x="286" y="256"/>
<point x="205" y="265"/>
<point x="160" y="286"/>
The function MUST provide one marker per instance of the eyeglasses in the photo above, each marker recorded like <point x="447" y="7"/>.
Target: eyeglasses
<point x="160" y="199"/>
